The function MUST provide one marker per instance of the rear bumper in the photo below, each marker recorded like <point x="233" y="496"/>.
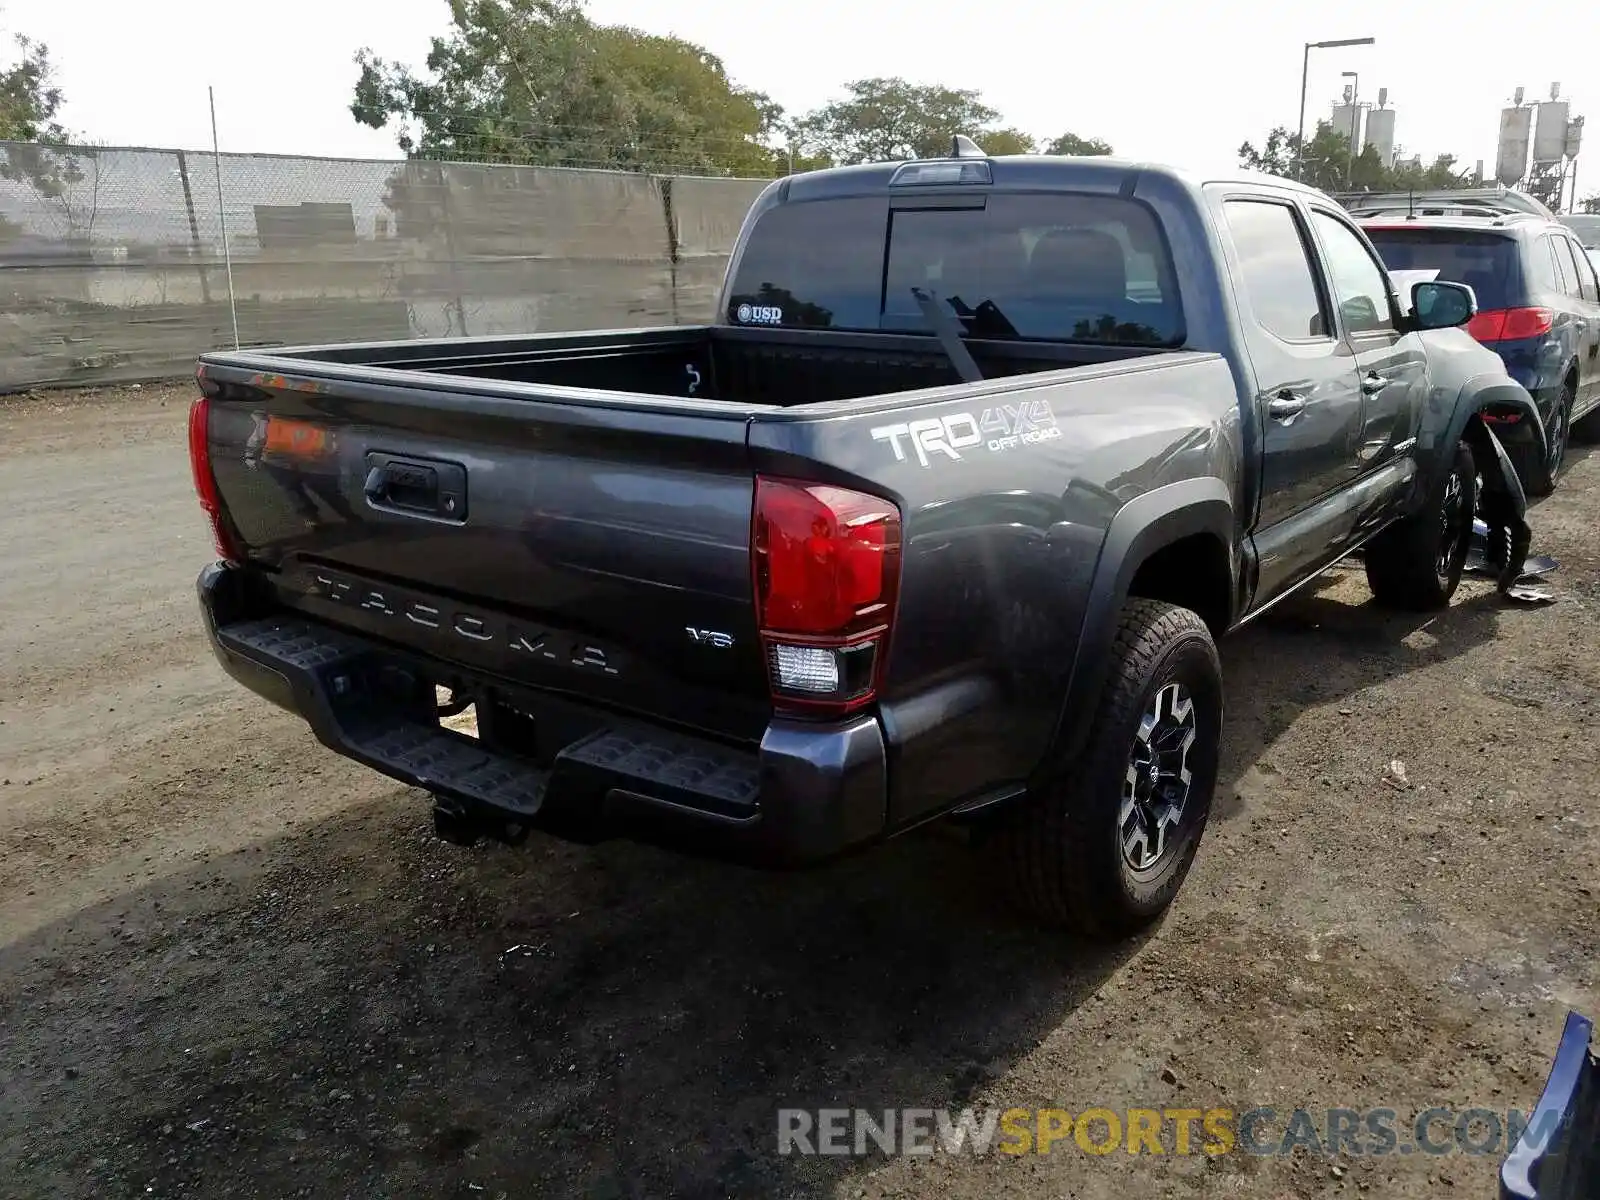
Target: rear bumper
<point x="806" y="794"/>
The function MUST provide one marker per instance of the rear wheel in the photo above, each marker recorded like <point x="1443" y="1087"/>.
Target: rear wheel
<point x="1104" y="847"/>
<point x="1538" y="472"/>
<point x="1417" y="563"/>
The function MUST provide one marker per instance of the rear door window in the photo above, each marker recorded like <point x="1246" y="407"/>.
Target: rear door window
<point x="1566" y="283"/>
<point x="1485" y="262"/>
<point x="1586" y="275"/>
<point x="1048" y="266"/>
<point x="1545" y="279"/>
<point x="1574" y="266"/>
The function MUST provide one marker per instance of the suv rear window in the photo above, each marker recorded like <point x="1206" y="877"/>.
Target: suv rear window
<point x="1486" y="262"/>
<point x="1057" y="267"/>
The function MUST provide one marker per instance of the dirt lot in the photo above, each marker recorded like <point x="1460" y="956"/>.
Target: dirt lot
<point x="234" y="964"/>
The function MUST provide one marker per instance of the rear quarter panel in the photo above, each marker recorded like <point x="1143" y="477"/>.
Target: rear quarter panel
<point x="1003" y="532"/>
<point x="1536" y="363"/>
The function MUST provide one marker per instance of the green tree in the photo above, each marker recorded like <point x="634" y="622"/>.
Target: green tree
<point x="1071" y="144"/>
<point x="29" y="97"/>
<point x="1441" y="173"/>
<point x="1326" y="164"/>
<point x="1592" y="204"/>
<point x="881" y="120"/>
<point x="37" y="153"/>
<point x="538" y="82"/>
<point x="1004" y="141"/>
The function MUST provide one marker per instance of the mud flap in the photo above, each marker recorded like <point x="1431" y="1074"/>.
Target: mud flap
<point x="1502" y="505"/>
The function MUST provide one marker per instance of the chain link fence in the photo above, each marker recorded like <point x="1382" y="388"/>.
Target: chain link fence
<point x="123" y="264"/>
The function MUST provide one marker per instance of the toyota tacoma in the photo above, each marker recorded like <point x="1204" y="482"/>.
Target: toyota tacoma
<point x="938" y="518"/>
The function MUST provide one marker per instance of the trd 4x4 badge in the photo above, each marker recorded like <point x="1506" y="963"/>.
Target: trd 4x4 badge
<point x="997" y="430"/>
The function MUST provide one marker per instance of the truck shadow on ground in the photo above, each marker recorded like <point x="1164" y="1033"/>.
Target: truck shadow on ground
<point x="363" y="1010"/>
<point x="1315" y="650"/>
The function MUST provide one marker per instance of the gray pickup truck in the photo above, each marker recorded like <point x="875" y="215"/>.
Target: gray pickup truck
<point x="939" y="519"/>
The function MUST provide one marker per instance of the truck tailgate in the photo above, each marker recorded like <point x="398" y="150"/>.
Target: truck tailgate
<point x="586" y="549"/>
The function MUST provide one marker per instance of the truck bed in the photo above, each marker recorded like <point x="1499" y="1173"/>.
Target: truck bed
<point x="749" y="367"/>
<point x="584" y="560"/>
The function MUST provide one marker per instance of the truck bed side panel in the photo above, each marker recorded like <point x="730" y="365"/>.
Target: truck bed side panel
<point x="1003" y="532"/>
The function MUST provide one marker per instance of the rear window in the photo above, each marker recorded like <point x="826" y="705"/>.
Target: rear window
<point x="1486" y="262"/>
<point x="1057" y="267"/>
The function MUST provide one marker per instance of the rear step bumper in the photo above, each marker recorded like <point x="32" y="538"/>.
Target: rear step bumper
<point x="808" y="793"/>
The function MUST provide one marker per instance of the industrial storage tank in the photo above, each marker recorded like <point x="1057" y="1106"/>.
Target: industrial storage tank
<point x="1347" y="121"/>
<point x="1380" y="134"/>
<point x="1550" y="135"/>
<point x="1511" y="159"/>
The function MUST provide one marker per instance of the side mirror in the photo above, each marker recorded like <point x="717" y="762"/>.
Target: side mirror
<point x="1442" y="305"/>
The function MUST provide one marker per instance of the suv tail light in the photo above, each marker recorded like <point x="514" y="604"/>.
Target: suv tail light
<point x="827" y="572"/>
<point x="1510" y="324"/>
<point x="205" y="483"/>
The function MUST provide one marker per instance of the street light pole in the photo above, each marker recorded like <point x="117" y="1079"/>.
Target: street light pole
<point x="1300" y="129"/>
<point x="1305" y="68"/>
<point x="1355" y="123"/>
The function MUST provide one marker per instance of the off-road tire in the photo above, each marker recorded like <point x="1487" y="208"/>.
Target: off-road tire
<point x="1538" y="471"/>
<point x="1063" y="848"/>
<point x="1416" y="564"/>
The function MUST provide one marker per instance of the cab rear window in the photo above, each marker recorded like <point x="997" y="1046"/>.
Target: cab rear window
<point x="1056" y="267"/>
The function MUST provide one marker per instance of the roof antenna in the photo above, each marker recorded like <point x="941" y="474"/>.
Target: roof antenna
<point x="962" y="146"/>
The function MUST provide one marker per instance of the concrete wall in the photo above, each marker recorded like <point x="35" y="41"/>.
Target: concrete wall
<point x="113" y="268"/>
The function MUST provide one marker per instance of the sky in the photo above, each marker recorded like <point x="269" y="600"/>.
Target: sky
<point x="1164" y="80"/>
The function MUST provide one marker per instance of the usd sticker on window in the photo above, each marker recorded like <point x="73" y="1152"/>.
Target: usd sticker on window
<point x="758" y="314"/>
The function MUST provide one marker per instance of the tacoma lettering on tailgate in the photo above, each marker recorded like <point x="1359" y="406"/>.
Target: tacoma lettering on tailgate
<point x="404" y="612"/>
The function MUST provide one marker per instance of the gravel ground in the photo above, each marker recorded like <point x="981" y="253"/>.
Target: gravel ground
<point x="233" y="964"/>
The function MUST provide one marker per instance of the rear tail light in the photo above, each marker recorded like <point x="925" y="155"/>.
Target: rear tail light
<point x="1511" y="324"/>
<point x="827" y="571"/>
<point x="205" y="483"/>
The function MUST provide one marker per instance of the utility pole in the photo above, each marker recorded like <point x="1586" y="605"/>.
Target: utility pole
<point x="1305" y="70"/>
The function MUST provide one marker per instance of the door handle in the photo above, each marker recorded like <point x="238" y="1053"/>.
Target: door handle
<point x="1373" y="383"/>
<point x="1285" y="406"/>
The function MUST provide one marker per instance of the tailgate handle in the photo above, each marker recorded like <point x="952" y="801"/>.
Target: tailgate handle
<point x="416" y="486"/>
